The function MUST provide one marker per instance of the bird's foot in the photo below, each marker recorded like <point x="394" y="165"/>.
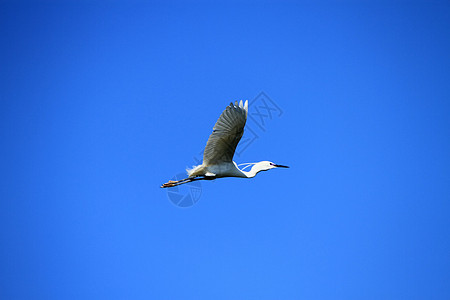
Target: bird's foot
<point x="168" y="184"/>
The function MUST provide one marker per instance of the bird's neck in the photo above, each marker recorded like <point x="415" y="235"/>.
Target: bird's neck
<point x="253" y="171"/>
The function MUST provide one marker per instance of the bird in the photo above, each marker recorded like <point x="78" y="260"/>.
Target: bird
<point x="219" y="151"/>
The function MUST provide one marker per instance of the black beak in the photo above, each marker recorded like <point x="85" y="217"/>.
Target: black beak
<point x="281" y="166"/>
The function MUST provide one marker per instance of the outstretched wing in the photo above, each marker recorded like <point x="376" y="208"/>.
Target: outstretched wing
<point x="226" y="134"/>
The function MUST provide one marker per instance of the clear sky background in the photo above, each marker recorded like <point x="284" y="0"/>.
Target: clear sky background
<point x="102" y="102"/>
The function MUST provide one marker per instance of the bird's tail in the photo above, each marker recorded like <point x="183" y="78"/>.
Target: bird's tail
<point x="195" y="171"/>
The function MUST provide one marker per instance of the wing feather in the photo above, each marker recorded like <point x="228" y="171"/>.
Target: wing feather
<point x="226" y="134"/>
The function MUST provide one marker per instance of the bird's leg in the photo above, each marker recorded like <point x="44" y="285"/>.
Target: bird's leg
<point x="172" y="183"/>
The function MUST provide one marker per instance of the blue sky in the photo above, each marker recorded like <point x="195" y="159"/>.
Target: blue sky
<point x="103" y="102"/>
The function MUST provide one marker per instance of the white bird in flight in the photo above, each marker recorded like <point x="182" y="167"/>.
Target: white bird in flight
<point x="219" y="151"/>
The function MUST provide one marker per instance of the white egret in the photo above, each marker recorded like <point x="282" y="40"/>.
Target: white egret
<point x="219" y="151"/>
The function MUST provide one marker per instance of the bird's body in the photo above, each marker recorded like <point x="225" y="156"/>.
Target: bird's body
<point x="224" y="169"/>
<point x="219" y="151"/>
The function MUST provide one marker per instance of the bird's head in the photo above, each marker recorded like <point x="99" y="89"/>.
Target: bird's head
<point x="267" y="165"/>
